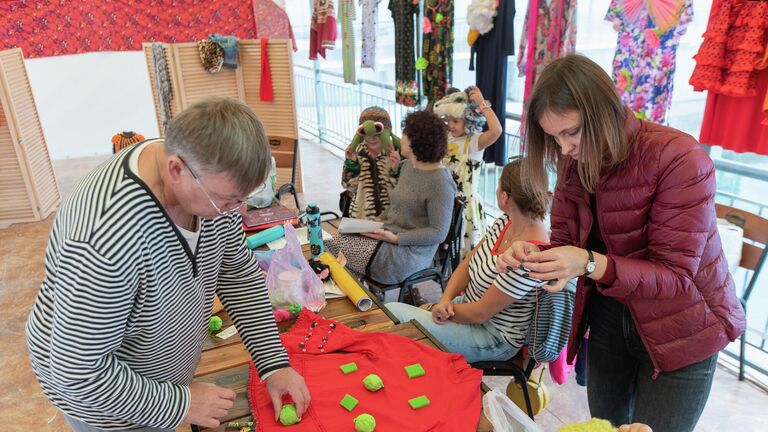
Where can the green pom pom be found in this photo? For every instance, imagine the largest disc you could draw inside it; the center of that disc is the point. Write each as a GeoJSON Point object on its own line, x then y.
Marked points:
{"type": "Point", "coordinates": [215, 324]}
{"type": "Point", "coordinates": [439, 18]}
{"type": "Point", "coordinates": [294, 309]}
{"type": "Point", "coordinates": [422, 63]}
{"type": "Point", "coordinates": [373, 382]}
{"type": "Point", "coordinates": [365, 423]}
{"type": "Point", "coordinates": [288, 415]}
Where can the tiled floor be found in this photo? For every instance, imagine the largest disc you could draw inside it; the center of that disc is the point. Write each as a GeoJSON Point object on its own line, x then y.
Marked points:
{"type": "Point", "coordinates": [733, 406]}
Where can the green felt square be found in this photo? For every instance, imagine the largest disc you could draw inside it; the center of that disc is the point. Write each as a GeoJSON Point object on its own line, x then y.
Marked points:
{"type": "Point", "coordinates": [348, 368]}
{"type": "Point", "coordinates": [418, 402]}
{"type": "Point", "coordinates": [349, 402]}
{"type": "Point", "coordinates": [414, 370]}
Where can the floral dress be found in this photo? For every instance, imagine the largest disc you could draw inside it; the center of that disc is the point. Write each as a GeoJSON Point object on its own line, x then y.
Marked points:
{"type": "Point", "coordinates": [548, 33]}
{"type": "Point", "coordinates": [644, 64]}
{"type": "Point", "coordinates": [465, 171]}
{"type": "Point", "coordinates": [437, 53]}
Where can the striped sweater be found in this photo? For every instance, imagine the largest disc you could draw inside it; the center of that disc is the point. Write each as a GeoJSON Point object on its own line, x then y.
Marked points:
{"type": "Point", "coordinates": [118, 326]}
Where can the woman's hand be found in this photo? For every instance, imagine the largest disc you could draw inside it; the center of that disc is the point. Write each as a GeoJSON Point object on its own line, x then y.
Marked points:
{"type": "Point", "coordinates": [442, 312]}
{"type": "Point", "coordinates": [559, 264]}
{"type": "Point", "coordinates": [383, 235]}
{"type": "Point", "coordinates": [513, 257]}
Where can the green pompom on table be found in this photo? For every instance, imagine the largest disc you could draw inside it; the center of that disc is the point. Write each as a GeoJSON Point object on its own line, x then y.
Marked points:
{"type": "Point", "coordinates": [373, 382]}
{"type": "Point", "coordinates": [365, 423]}
{"type": "Point", "coordinates": [215, 324]}
{"type": "Point", "coordinates": [288, 415]}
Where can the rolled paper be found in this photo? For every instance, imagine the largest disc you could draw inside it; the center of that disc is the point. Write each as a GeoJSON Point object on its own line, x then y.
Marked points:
{"type": "Point", "coordinates": [264, 237]}
{"type": "Point", "coordinates": [347, 283]}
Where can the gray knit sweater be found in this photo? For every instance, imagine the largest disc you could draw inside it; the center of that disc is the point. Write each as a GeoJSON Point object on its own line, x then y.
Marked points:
{"type": "Point", "coordinates": [420, 215]}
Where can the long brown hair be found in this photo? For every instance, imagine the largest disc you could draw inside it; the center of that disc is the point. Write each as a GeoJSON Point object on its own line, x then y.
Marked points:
{"type": "Point", "coordinates": [532, 205]}
{"type": "Point", "coordinates": [575, 83]}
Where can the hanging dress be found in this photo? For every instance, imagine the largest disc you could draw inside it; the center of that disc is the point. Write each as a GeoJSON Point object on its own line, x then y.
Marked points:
{"type": "Point", "coordinates": [465, 171]}
{"type": "Point", "coordinates": [437, 49]}
{"type": "Point", "coordinates": [649, 33]}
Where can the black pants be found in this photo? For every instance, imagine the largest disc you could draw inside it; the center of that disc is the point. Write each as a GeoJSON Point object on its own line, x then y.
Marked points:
{"type": "Point", "coordinates": [620, 386]}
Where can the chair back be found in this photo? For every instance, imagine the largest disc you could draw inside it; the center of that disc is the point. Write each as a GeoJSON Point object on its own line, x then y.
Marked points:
{"type": "Point", "coordinates": [449, 251]}
{"type": "Point", "coordinates": [753, 253]}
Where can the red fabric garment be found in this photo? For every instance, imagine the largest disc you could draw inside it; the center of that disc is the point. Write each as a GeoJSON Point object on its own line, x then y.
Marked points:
{"type": "Point", "coordinates": [733, 45]}
{"type": "Point", "coordinates": [656, 212]}
{"type": "Point", "coordinates": [452, 386]}
{"type": "Point", "coordinates": [736, 123]}
{"type": "Point", "coordinates": [57, 27]}
{"type": "Point", "coordinates": [322, 32]}
{"type": "Point", "coordinates": [265, 81]}
{"type": "Point", "coordinates": [272, 22]}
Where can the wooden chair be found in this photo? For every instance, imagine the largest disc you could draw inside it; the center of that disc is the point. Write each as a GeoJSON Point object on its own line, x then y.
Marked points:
{"type": "Point", "coordinates": [753, 258]}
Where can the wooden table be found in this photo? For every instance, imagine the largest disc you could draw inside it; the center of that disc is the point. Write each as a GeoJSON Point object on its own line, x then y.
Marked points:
{"type": "Point", "coordinates": [225, 362]}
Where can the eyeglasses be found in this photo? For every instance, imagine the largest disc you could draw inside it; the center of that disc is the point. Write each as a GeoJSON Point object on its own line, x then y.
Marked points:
{"type": "Point", "coordinates": [238, 202]}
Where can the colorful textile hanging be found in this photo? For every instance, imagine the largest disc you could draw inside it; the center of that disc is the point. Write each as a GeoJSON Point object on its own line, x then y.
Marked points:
{"type": "Point", "coordinates": [347, 15]}
{"type": "Point", "coordinates": [404, 15]}
{"type": "Point", "coordinates": [322, 29]}
{"type": "Point", "coordinates": [649, 33]}
{"type": "Point", "coordinates": [549, 32]}
{"type": "Point", "coordinates": [46, 28]}
{"type": "Point", "coordinates": [272, 21]}
{"type": "Point", "coordinates": [437, 54]}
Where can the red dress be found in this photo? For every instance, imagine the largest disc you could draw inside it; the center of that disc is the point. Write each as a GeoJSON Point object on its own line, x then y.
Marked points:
{"type": "Point", "coordinates": [451, 385]}
{"type": "Point", "coordinates": [733, 45]}
{"type": "Point", "coordinates": [730, 64]}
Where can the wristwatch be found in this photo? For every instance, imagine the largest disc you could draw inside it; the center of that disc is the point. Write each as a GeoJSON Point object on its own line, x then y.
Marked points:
{"type": "Point", "coordinates": [591, 265]}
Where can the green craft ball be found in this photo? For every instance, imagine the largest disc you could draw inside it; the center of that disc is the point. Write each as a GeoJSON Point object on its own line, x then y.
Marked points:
{"type": "Point", "coordinates": [215, 324]}
{"type": "Point", "coordinates": [365, 423]}
{"type": "Point", "coordinates": [373, 382]}
{"type": "Point", "coordinates": [288, 415]}
{"type": "Point", "coordinates": [294, 309]}
{"type": "Point", "coordinates": [439, 18]}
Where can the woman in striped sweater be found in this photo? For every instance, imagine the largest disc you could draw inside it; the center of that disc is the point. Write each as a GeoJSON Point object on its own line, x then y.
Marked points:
{"type": "Point", "coordinates": [135, 256]}
{"type": "Point", "coordinates": [491, 320]}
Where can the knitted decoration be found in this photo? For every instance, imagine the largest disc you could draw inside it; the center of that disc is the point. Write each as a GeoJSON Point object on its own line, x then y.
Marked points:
{"type": "Point", "coordinates": [215, 324]}
{"type": "Point", "coordinates": [456, 104]}
{"type": "Point", "coordinates": [125, 139]}
{"type": "Point", "coordinates": [211, 54]}
{"type": "Point", "coordinates": [594, 425]}
{"type": "Point", "coordinates": [376, 114]}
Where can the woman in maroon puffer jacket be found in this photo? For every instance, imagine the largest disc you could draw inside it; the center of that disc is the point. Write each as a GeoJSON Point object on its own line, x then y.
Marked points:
{"type": "Point", "coordinates": [633, 217]}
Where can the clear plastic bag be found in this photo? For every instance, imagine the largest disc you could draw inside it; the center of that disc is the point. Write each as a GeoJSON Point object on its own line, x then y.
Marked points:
{"type": "Point", "coordinates": [290, 279]}
{"type": "Point", "coordinates": [504, 415]}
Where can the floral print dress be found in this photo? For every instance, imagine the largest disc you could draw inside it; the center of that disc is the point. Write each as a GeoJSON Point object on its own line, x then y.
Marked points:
{"type": "Point", "coordinates": [465, 171]}
{"type": "Point", "coordinates": [644, 64]}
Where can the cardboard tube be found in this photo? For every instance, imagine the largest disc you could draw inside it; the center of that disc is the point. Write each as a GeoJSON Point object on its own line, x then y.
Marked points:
{"type": "Point", "coordinates": [347, 283]}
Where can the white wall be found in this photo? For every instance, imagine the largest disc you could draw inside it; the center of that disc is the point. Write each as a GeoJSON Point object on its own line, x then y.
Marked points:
{"type": "Point", "coordinates": [84, 99]}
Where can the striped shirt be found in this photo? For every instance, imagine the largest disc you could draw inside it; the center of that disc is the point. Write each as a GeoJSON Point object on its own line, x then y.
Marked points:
{"type": "Point", "coordinates": [118, 326]}
{"type": "Point", "coordinates": [514, 320]}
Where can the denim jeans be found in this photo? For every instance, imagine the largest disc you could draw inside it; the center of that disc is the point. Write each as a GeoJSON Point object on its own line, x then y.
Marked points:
{"type": "Point", "coordinates": [476, 342]}
{"type": "Point", "coordinates": [620, 386]}
{"type": "Point", "coordinates": [80, 426]}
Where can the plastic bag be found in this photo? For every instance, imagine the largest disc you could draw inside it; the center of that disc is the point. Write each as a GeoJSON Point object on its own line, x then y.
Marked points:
{"type": "Point", "coordinates": [290, 279]}
{"type": "Point", "coordinates": [263, 196]}
{"type": "Point", "coordinates": [504, 415]}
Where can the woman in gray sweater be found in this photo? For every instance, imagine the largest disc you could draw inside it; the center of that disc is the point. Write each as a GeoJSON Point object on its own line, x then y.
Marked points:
{"type": "Point", "coordinates": [419, 216]}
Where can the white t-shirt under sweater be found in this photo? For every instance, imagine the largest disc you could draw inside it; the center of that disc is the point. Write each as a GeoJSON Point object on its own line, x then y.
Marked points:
{"type": "Point", "coordinates": [456, 145]}
{"type": "Point", "coordinates": [514, 320]}
{"type": "Point", "coordinates": [118, 326]}
{"type": "Point", "coordinates": [190, 236]}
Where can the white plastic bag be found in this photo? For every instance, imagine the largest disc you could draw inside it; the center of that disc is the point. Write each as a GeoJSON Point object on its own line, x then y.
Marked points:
{"type": "Point", "coordinates": [263, 196]}
{"type": "Point", "coordinates": [504, 415]}
{"type": "Point", "coordinates": [732, 238]}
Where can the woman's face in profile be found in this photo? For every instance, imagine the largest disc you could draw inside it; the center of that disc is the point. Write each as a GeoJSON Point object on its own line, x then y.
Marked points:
{"type": "Point", "coordinates": [565, 128]}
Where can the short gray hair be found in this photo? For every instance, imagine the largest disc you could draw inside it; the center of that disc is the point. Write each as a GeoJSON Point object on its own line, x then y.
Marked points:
{"type": "Point", "coordinates": [222, 135]}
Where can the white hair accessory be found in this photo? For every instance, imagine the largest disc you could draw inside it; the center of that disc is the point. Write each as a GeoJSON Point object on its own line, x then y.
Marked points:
{"type": "Point", "coordinates": [480, 15]}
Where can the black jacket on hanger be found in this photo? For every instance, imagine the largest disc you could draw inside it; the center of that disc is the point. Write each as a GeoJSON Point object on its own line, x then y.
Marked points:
{"type": "Point", "coordinates": [492, 50]}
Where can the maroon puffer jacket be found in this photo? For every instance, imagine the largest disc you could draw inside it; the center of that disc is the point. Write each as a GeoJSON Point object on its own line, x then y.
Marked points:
{"type": "Point", "coordinates": [657, 217]}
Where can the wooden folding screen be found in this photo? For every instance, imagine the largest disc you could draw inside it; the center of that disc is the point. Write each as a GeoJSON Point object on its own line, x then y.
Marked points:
{"type": "Point", "coordinates": [189, 82]}
{"type": "Point", "coordinates": [28, 188]}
